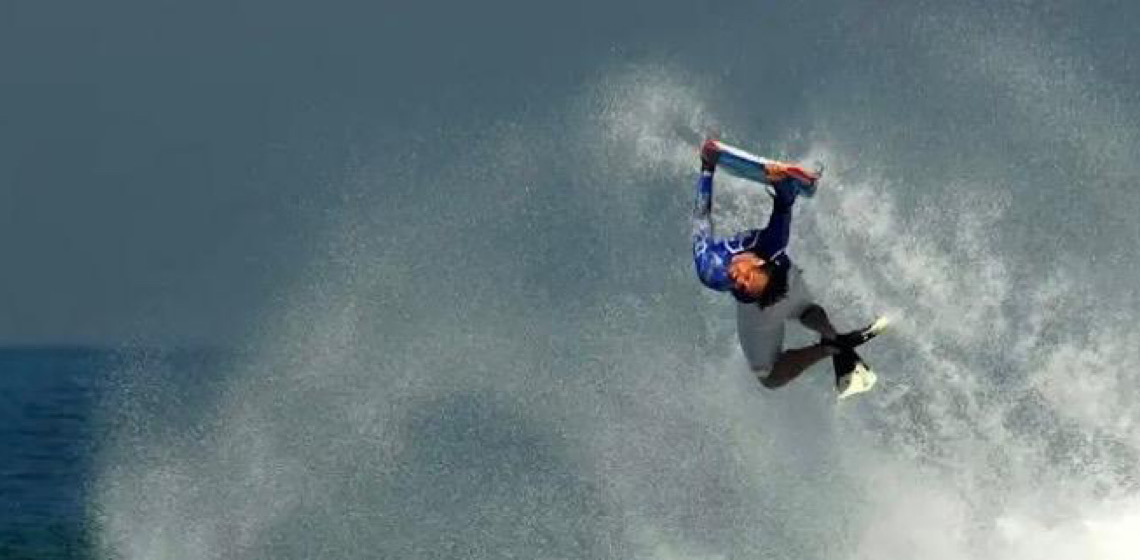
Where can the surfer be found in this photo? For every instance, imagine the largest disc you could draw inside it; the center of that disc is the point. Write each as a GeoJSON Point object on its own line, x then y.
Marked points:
{"type": "Point", "coordinates": [754, 267]}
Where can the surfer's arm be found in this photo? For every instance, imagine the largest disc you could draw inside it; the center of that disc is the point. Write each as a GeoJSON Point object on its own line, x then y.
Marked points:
{"type": "Point", "coordinates": [773, 239]}
{"type": "Point", "coordinates": [707, 249]}
{"type": "Point", "coordinates": [709, 265]}
{"type": "Point", "coordinates": [785, 196]}
{"type": "Point", "coordinates": [702, 206]}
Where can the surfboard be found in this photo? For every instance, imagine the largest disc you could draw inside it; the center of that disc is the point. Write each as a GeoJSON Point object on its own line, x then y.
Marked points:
{"type": "Point", "coordinates": [746, 165]}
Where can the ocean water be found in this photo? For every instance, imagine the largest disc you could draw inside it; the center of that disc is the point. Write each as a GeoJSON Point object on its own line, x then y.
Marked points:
{"type": "Point", "coordinates": [50, 431]}
{"type": "Point", "coordinates": [46, 434]}
{"type": "Point", "coordinates": [498, 349]}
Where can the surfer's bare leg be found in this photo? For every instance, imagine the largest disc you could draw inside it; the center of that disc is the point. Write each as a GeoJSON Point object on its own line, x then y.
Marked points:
{"type": "Point", "coordinates": [816, 319]}
{"type": "Point", "coordinates": [792, 363]}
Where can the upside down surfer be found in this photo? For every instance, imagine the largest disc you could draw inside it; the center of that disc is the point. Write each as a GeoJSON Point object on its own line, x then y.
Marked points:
{"type": "Point", "coordinates": [754, 267]}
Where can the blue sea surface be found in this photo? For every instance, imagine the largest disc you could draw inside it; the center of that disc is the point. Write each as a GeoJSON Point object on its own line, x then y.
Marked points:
{"type": "Point", "coordinates": [46, 405]}
{"type": "Point", "coordinates": [54, 403]}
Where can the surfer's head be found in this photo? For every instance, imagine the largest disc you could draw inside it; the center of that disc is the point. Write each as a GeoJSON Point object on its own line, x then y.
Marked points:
{"type": "Point", "coordinates": [749, 275]}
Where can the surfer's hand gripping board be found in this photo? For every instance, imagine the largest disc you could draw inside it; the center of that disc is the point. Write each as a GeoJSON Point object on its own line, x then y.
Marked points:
{"type": "Point", "coordinates": [752, 167]}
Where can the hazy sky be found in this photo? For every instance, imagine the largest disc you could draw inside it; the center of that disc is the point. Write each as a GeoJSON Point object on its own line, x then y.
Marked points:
{"type": "Point", "coordinates": [164, 165]}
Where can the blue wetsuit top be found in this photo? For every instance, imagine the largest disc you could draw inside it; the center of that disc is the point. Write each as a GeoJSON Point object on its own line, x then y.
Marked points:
{"type": "Point", "coordinates": [713, 254]}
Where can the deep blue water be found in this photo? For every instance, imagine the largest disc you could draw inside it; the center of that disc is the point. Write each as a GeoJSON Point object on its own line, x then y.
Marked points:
{"type": "Point", "coordinates": [54, 403]}
{"type": "Point", "coordinates": [47, 402]}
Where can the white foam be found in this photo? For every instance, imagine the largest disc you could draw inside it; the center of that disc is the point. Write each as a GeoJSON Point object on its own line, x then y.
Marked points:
{"type": "Point", "coordinates": [510, 412]}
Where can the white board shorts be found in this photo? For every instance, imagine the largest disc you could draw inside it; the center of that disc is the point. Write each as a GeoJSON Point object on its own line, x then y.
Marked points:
{"type": "Point", "coordinates": [761, 330]}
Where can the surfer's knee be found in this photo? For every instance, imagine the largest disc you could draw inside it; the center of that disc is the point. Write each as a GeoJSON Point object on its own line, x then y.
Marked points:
{"type": "Point", "coordinates": [764, 376]}
{"type": "Point", "coordinates": [812, 310]}
{"type": "Point", "coordinates": [814, 315]}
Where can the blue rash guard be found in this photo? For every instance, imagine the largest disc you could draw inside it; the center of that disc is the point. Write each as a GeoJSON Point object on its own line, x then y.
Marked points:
{"type": "Point", "coordinates": [712, 254]}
